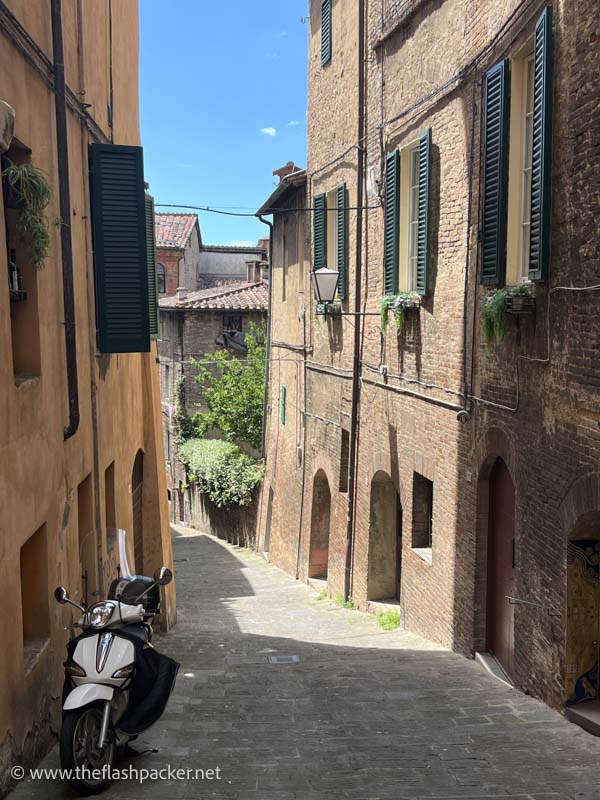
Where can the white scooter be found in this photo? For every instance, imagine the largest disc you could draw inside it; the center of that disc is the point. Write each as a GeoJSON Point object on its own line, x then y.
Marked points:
{"type": "Point", "coordinates": [116, 683]}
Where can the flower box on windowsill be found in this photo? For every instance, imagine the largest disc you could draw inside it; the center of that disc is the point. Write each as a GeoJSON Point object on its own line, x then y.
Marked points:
{"type": "Point", "coordinates": [519, 304]}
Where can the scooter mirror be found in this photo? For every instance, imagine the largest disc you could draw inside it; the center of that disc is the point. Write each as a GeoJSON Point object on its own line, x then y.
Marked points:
{"type": "Point", "coordinates": [163, 576]}
{"type": "Point", "coordinates": [61, 595]}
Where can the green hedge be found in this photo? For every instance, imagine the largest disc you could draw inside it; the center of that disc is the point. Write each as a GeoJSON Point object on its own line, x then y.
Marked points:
{"type": "Point", "coordinates": [221, 471]}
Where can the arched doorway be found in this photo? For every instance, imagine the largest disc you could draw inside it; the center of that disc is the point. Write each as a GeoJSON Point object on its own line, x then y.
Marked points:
{"type": "Point", "coordinates": [500, 633]}
{"type": "Point", "coordinates": [137, 496]}
{"type": "Point", "coordinates": [385, 540]}
{"type": "Point", "coordinates": [583, 611]}
{"type": "Point", "coordinates": [319, 527]}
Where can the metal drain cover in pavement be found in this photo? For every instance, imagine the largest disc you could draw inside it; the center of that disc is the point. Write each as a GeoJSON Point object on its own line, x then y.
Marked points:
{"type": "Point", "coordinates": [284, 659]}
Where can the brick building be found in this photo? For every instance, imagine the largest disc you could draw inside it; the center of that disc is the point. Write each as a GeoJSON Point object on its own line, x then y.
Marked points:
{"type": "Point", "coordinates": [456, 173]}
{"type": "Point", "coordinates": [183, 261]}
{"type": "Point", "coordinates": [196, 323]}
{"type": "Point", "coordinates": [178, 243]}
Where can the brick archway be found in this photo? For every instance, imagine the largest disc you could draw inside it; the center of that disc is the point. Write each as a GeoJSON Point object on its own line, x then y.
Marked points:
{"type": "Point", "coordinates": [320, 523]}
{"type": "Point", "coordinates": [495, 444]}
{"type": "Point", "coordinates": [385, 540]}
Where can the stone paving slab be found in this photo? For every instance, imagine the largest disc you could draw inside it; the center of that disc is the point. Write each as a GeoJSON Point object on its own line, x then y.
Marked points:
{"type": "Point", "coordinates": [364, 715]}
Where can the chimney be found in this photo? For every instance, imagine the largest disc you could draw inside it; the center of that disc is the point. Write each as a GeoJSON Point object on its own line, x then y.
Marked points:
{"type": "Point", "coordinates": [181, 294]}
{"type": "Point", "coordinates": [286, 170]}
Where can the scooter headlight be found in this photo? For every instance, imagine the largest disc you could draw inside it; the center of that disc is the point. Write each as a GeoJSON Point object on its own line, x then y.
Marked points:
{"type": "Point", "coordinates": [100, 614]}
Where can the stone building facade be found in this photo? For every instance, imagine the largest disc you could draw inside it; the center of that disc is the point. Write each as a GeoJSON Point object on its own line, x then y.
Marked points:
{"type": "Point", "coordinates": [193, 325]}
{"type": "Point", "coordinates": [80, 437]}
{"type": "Point", "coordinates": [184, 262]}
{"type": "Point", "coordinates": [476, 477]}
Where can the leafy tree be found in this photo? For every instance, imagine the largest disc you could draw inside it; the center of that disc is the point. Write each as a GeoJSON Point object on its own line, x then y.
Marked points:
{"type": "Point", "coordinates": [233, 391]}
{"type": "Point", "coordinates": [221, 471]}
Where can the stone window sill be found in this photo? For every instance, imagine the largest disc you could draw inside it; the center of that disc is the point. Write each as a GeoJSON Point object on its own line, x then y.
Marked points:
{"type": "Point", "coordinates": [425, 553]}
{"type": "Point", "coordinates": [24, 379]}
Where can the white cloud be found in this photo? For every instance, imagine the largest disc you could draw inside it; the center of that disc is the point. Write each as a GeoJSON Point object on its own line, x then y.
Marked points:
{"type": "Point", "coordinates": [283, 33]}
{"type": "Point", "coordinates": [269, 131]}
{"type": "Point", "coordinates": [293, 123]}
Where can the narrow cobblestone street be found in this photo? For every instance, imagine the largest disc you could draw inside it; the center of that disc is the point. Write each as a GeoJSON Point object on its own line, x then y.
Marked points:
{"type": "Point", "coordinates": [363, 714]}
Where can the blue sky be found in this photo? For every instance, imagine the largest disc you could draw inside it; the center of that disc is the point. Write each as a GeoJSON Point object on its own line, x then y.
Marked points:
{"type": "Point", "coordinates": [223, 104]}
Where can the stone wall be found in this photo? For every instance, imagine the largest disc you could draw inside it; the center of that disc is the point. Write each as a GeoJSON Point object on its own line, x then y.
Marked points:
{"type": "Point", "coordinates": [235, 525]}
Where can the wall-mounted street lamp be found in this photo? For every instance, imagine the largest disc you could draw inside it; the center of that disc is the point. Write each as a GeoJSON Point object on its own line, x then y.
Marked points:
{"type": "Point", "coordinates": [325, 283]}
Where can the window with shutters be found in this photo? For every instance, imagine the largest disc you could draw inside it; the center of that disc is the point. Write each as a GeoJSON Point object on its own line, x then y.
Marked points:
{"type": "Point", "coordinates": [326, 37]}
{"type": "Point", "coordinates": [332, 221]}
{"type": "Point", "coordinates": [412, 216]}
{"type": "Point", "coordinates": [527, 98]}
{"type": "Point", "coordinates": [519, 169]}
{"type": "Point", "coordinates": [331, 236]}
{"type": "Point", "coordinates": [412, 223]}
{"type": "Point", "coordinates": [121, 218]}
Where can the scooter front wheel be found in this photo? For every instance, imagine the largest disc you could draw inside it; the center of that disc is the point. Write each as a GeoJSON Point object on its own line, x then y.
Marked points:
{"type": "Point", "coordinates": [89, 765]}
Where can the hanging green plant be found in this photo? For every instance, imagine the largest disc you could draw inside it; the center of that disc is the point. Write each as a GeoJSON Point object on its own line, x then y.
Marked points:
{"type": "Point", "coordinates": [398, 305]}
{"type": "Point", "coordinates": [495, 310]}
{"type": "Point", "coordinates": [30, 193]}
{"type": "Point", "coordinates": [494, 318]}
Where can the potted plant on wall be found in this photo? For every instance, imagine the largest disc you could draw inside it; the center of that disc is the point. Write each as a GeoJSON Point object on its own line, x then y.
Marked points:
{"type": "Point", "coordinates": [28, 191]}
{"type": "Point", "coordinates": [398, 304]}
{"type": "Point", "coordinates": [517, 300]}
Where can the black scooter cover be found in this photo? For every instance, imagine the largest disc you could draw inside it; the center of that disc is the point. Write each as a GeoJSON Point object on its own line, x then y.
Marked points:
{"type": "Point", "coordinates": [150, 688]}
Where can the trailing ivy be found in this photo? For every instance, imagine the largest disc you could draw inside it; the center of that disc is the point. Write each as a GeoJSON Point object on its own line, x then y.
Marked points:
{"type": "Point", "coordinates": [31, 194]}
{"type": "Point", "coordinates": [183, 426]}
{"type": "Point", "coordinates": [221, 471]}
{"type": "Point", "coordinates": [397, 304]}
{"type": "Point", "coordinates": [494, 319]}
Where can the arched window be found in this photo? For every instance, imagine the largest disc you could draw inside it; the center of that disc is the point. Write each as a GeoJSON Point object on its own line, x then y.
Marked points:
{"type": "Point", "coordinates": [161, 279]}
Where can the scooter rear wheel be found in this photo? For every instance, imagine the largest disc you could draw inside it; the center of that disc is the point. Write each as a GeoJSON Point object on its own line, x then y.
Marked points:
{"type": "Point", "coordinates": [79, 736]}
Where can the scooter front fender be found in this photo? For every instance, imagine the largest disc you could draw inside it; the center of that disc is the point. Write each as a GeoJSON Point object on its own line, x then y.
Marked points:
{"type": "Point", "coordinates": [87, 693]}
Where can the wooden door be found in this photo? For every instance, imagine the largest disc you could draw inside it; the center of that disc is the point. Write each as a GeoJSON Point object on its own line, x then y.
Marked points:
{"type": "Point", "coordinates": [501, 551]}
{"type": "Point", "coordinates": [583, 621]}
{"type": "Point", "coordinates": [137, 496]}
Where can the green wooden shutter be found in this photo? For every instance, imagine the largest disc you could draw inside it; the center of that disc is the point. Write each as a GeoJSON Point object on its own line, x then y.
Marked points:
{"type": "Point", "coordinates": [342, 238]}
{"type": "Point", "coordinates": [541, 162]}
{"type": "Point", "coordinates": [120, 253]}
{"type": "Point", "coordinates": [282, 404]}
{"type": "Point", "coordinates": [495, 173]}
{"type": "Point", "coordinates": [152, 266]}
{"type": "Point", "coordinates": [325, 32]}
{"type": "Point", "coordinates": [391, 221]}
{"type": "Point", "coordinates": [423, 218]}
{"type": "Point", "coordinates": [320, 231]}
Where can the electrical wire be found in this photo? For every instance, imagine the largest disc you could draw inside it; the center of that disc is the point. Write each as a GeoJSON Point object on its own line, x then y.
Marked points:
{"type": "Point", "coordinates": [221, 210]}
{"type": "Point", "coordinates": [546, 360]}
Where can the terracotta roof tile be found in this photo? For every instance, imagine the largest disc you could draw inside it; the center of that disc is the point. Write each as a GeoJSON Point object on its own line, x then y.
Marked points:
{"type": "Point", "coordinates": [236, 297]}
{"type": "Point", "coordinates": [173, 231]}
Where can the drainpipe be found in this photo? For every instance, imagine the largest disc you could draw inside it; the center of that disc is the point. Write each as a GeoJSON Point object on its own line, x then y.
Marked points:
{"type": "Point", "coordinates": [268, 364]}
{"type": "Point", "coordinates": [352, 465]}
{"type": "Point", "coordinates": [62, 149]}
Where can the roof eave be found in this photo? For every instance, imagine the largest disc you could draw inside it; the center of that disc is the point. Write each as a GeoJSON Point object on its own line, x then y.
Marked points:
{"type": "Point", "coordinates": [291, 182]}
